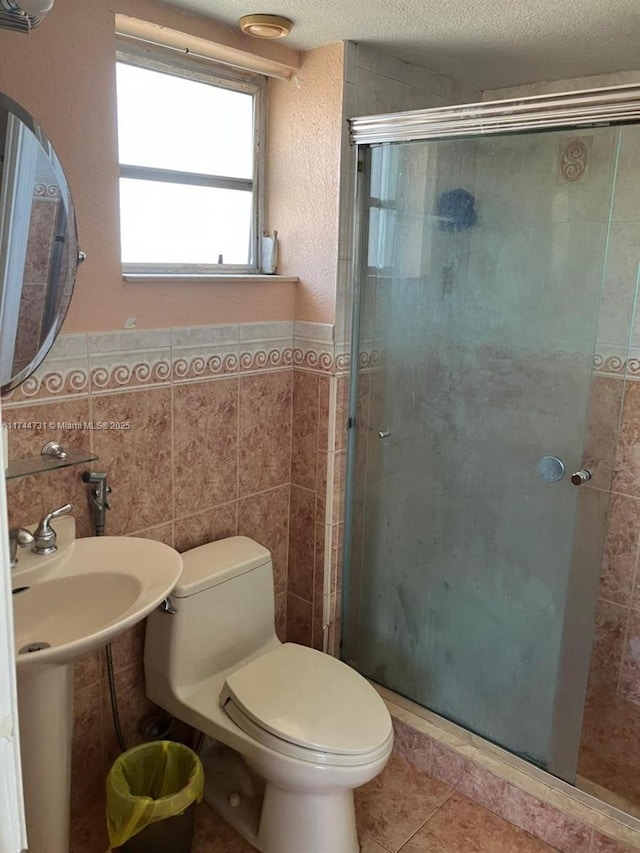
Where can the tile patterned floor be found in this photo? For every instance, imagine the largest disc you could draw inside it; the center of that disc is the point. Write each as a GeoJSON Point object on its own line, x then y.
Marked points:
{"type": "Point", "coordinates": [610, 748]}
{"type": "Point", "coordinates": [401, 810]}
{"type": "Point", "coordinates": [404, 810]}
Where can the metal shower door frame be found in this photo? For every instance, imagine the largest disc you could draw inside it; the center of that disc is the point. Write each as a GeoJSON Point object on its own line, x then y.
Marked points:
{"type": "Point", "coordinates": [602, 107]}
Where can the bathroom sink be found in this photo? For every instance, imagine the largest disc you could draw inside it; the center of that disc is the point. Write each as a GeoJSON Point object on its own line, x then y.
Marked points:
{"type": "Point", "coordinates": [89, 591]}
{"type": "Point", "coordinates": [66, 604]}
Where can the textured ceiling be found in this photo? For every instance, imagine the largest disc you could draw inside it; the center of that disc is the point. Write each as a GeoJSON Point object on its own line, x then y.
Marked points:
{"type": "Point", "coordinates": [489, 44]}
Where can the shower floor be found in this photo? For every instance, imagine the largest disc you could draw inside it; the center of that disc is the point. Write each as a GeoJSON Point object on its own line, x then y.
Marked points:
{"type": "Point", "coordinates": [610, 752]}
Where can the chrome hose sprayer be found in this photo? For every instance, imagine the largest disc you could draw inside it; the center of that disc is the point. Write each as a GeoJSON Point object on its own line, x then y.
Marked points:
{"type": "Point", "coordinates": [99, 499]}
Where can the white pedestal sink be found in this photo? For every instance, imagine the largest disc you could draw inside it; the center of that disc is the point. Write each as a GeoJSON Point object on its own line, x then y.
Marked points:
{"type": "Point", "coordinates": [72, 602]}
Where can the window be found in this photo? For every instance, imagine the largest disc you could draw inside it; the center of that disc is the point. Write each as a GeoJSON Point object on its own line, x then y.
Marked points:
{"type": "Point", "coordinates": [189, 136]}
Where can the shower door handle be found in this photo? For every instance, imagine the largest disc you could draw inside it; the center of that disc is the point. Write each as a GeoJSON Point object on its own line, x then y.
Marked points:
{"type": "Point", "coordinates": [581, 477]}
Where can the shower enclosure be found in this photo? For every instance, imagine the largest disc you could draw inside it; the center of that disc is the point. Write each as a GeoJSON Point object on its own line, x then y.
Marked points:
{"type": "Point", "coordinates": [481, 441]}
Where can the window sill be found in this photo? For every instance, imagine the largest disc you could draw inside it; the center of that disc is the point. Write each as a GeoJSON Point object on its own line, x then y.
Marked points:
{"type": "Point", "coordinates": [223, 278]}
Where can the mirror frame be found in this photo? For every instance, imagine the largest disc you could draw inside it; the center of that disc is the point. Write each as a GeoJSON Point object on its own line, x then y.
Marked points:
{"type": "Point", "coordinates": [66, 197]}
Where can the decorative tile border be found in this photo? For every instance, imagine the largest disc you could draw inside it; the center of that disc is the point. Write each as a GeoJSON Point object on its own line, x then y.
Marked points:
{"type": "Point", "coordinates": [129, 359]}
{"type": "Point", "coordinates": [110, 361]}
{"type": "Point", "coordinates": [42, 191]}
{"type": "Point", "coordinates": [314, 349]}
{"type": "Point", "coordinates": [574, 155]}
{"type": "Point", "coordinates": [105, 362]}
{"type": "Point", "coordinates": [64, 373]}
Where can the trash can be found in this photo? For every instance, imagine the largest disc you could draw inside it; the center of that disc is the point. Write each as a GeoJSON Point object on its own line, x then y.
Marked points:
{"type": "Point", "coordinates": [152, 791]}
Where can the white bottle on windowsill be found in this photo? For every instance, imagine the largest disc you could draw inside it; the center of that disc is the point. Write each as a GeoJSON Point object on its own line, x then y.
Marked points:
{"type": "Point", "coordinates": [269, 253]}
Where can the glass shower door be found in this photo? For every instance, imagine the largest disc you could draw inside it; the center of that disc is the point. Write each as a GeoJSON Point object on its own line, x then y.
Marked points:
{"type": "Point", "coordinates": [474, 559]}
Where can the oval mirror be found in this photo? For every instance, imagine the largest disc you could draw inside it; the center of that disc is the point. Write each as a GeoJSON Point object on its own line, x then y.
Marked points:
{"type": "Point", "coordinates": [38, 245]}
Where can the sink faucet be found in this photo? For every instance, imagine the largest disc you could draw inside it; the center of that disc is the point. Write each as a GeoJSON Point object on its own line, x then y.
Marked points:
{"type": "Point", "coordinates": [45, 536]}
{"type": "Point", "coordinates": [18, 537]}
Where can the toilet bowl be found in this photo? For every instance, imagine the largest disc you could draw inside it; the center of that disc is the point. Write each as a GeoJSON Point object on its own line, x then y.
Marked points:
{"type": "Point", "coordinates": [290, 731]}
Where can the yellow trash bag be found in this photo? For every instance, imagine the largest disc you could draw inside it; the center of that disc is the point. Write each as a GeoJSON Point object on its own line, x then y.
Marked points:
{"type": "Point", "coordinates": [150, 783]}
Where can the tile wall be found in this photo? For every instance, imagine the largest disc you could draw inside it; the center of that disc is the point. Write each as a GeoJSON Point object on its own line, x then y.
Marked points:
{"type": "Point", "coordinates": [204, 432]}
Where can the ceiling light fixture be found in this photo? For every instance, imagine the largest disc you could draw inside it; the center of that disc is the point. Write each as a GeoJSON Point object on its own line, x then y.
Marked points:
{"type": "Point", "coordinates": [265, 26]}
{"type": "Point", "coordinates": [23, 16]}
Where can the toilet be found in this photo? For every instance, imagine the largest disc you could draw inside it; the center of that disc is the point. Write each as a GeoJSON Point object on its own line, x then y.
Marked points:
{"type": "Point", "coordinates": [289, 731]}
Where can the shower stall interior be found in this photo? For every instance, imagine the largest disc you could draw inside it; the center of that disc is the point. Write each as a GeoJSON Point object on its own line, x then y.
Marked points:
{"type": "Point", "coordinates": [493, 348]}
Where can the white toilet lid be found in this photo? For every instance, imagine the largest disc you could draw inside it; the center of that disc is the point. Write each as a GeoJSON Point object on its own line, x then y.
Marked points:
{"type": "Point", "coordinates": [310, 699]}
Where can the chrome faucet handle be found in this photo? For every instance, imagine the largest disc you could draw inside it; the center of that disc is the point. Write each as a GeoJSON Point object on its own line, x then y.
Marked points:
{"type": "Point", "coordinates": [45, 536]}
{"type": "Point", "coordinates": [19, 537]}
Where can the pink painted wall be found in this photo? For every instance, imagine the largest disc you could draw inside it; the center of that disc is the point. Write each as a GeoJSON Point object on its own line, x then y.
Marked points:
{"type": "Point", "coordinates": [305, 131]}
{"type": "Point", "coordinates": [64, 74]}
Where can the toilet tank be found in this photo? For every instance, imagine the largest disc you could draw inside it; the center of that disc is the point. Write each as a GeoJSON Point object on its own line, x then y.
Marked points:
{"type": "Point", "coordinates": [224, 603]}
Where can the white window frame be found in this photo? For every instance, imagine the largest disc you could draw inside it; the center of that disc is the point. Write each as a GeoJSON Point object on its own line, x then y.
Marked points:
{"type": "Point", "coordinates": [169, 61]}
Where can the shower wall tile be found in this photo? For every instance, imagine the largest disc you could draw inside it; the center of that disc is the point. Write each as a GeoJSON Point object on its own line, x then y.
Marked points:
{"type": "Point", "coordinates": [428, 81]}
{"type": "Point", "coordinates": [416, 99]}
{"type": "Point", "coordinates": [625, 201]}
{"type": "Point", "coordinates": [630, 670]}
{"type": "Point", "coordinates": [603, 420]}
{"type": "Point", "coordinates": [381, 63]}
{"type": "Point", "coordinates": [610, 752]}
{"type": "Point", "coordinates": [621, 272]}
{"type": "Point", "coordinates": [626, 478]}
{"type": "Point", "coordinates": [384, 83]}
{"type": "Point", "coordinates": [620, 550]}
{"type": "Point", "coordinates": [608, 646]}
{"type": "Point", "coordinates": [572, 84]}
{"type": "Point", "coordinates": [350, 59]}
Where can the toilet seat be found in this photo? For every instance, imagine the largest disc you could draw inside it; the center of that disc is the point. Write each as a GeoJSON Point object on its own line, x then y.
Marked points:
{"type": "Point", "coordinates": [308, 705]}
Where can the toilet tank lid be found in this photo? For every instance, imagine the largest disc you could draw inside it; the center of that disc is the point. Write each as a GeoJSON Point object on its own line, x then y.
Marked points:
{"type": "Point", "coordinates": [217, 562]}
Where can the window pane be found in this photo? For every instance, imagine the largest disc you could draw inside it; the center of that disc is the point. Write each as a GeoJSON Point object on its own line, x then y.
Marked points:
{"type": "Point", "coordinates": [168, 122]}
{"type": "Point", "coordinates": [177, 224]}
